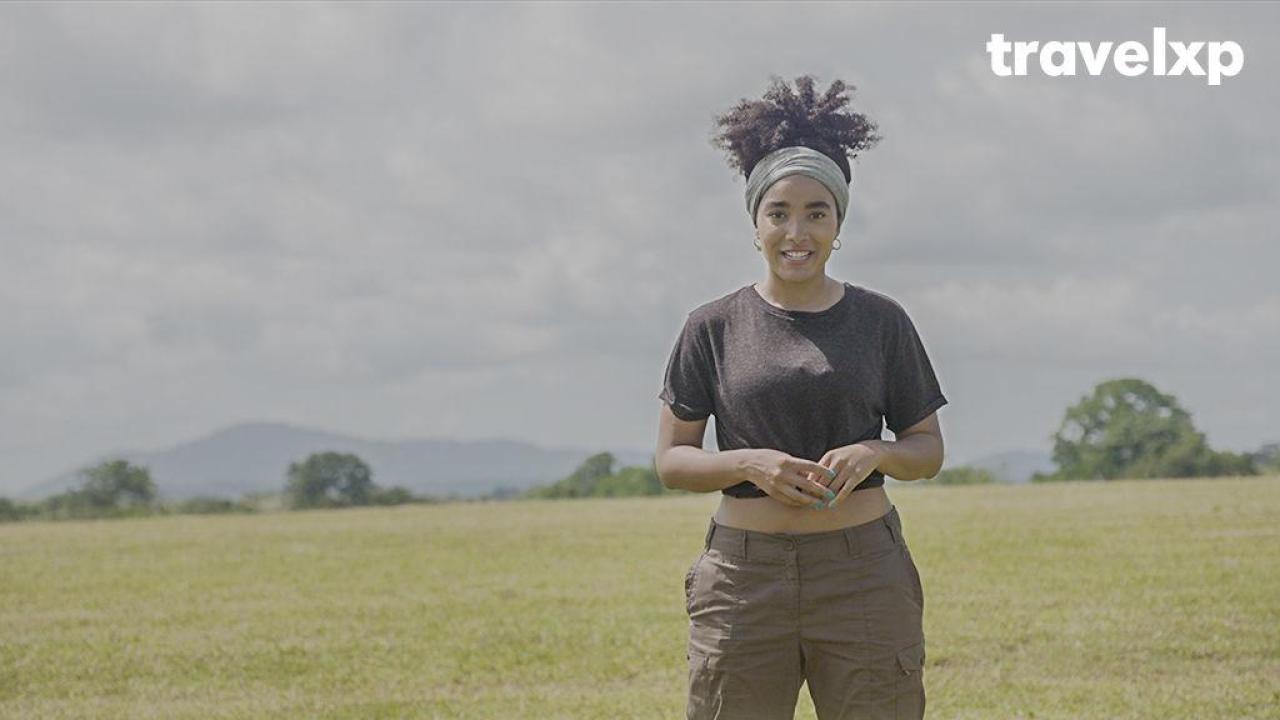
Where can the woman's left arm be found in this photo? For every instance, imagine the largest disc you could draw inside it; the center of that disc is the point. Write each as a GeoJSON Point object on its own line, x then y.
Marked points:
{"type": "Point", "coordinates": [915, 453]}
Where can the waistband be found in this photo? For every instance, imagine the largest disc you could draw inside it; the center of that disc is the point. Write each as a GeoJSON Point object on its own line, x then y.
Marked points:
{"type": "Point", "coordinates": [881, 533]}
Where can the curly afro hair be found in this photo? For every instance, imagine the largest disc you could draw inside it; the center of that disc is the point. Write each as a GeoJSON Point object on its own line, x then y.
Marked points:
{"type": "Point", "coordinates": [755, 128]}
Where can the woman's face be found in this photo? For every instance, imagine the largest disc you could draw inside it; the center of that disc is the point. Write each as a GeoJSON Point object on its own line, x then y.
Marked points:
{"type": "Point", "coordinates": [796, 213]}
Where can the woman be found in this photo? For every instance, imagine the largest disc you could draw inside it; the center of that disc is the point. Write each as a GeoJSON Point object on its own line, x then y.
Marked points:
{"type": "Point", "coordinates": [805, 574]}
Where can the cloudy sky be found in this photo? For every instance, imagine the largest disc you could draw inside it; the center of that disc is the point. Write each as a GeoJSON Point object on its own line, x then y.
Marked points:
{"type": "Point", "coordinates": [445, 221]}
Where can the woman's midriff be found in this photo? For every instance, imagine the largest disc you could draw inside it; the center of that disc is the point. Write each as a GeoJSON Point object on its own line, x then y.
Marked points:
{"type": "Point", "coordinates": [764, 514]}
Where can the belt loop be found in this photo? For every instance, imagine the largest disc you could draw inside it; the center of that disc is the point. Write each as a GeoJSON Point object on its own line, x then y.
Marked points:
{"type": "Point", "coordinates": [850, 543]}
{"type": "Point", "coordinates": [711, 531]}
{"type": "Point", "coordinates": [743, 549]}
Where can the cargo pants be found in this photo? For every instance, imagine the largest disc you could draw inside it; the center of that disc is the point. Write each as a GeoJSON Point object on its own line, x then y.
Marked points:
{"type": "Point", "coordinates": [841, 610]}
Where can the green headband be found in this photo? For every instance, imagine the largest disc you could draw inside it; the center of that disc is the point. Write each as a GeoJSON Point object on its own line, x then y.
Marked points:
{"type": "Point", "coordinates": [793, 160]}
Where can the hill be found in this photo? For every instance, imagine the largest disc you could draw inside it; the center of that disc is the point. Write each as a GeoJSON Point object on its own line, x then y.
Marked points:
{"type": "Point", "coordinates": [254, 457]}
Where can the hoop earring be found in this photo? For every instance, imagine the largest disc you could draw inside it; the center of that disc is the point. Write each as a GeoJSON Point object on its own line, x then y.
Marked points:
{"type": "Point", "coordinates": [757, 244]}
{"type": "Point", "coordinates": [836, 244]}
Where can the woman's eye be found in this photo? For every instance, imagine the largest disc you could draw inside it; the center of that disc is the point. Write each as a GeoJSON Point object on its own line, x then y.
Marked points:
{"type": "Point", "coordinates": [819, 215]}
{"type": "Point", "coordinates": [776, 213]}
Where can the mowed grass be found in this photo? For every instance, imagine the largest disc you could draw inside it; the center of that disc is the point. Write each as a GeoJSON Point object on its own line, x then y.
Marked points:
{"type": "Point", "coordinates": [1133, 599]}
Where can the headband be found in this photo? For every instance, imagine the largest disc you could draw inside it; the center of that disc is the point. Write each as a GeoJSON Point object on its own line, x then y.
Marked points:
{"type": "Point", "coordinates": [793, 160]}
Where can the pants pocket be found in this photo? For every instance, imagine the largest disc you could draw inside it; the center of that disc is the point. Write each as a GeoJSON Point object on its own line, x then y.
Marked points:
{"type": "Point", "coordinates": [909, 699]}
{"type": "Point", "coordinates": [914, 574]}
{"type": "Point", "coordinates": [713, 599]}
{"type": "Point", "coordinates": [689, 578]}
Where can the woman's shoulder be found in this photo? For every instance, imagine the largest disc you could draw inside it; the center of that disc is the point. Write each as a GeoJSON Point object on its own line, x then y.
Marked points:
{"type": "Point", "coordinates": [718, 310]}
{"type": "Point", "coordinates": [877, 302]}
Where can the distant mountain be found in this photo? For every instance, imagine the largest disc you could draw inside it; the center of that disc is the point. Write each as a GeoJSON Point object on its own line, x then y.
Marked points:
{"type": "Point", "coordinates": [255, 457]}
{"type": "Point", "coordinates": [1015, 466]}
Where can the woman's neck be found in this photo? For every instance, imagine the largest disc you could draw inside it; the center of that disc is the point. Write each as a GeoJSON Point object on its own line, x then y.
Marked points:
{"type": "Point", "coordinates": [811, 295]}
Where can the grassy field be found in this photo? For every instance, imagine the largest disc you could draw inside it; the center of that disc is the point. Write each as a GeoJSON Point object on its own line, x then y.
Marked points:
{"type": "Point", "coordinates": [1134, 599]}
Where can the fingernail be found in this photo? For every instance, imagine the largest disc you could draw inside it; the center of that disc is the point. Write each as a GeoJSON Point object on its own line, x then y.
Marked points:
{"type": "Point", "coordinates": [830, 494]}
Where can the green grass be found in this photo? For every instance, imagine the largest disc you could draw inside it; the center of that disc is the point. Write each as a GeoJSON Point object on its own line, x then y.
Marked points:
{"type": "Point", "coordinates": [1134, 599]}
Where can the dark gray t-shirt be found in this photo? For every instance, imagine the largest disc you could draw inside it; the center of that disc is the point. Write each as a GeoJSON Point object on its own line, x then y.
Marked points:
{"type": "Point", "coordinates": [799, 381]}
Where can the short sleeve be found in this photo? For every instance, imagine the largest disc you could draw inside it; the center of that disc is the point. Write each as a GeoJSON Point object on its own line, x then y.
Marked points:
{"type": "Point", "coordinates": [688, 379]}
{"type": "Point", "coordinates": [911, 388]}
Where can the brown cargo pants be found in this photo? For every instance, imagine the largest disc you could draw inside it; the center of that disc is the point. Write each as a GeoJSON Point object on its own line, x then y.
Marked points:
{"type": "Point", "coordinates": [841, 610]}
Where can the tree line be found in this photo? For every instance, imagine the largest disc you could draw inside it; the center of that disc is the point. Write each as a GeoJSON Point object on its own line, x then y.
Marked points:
{"type": "Point", "coordinates": [1125, 428]}
{"type": "Point", "coordinates": [1128, 429]}
{"type": "Point", "coordinates": [117, 488]}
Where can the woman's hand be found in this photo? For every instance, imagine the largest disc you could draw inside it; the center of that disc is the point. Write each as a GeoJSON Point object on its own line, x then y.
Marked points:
{"type": "Point", "coordinates": [787, 479]}
{"type": "Point", "coordinates": [852, 464]}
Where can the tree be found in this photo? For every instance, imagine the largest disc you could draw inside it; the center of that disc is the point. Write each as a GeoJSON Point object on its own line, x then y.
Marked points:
{"type": "Point", "coordinates": [112, 487]}
{"type": "Point", "coordinates": [395, 495]}
{"type": "Point", "coordinates": [595, 478]}
{"type": "Point", "coordinates": [1129, 429]}
{"type": "Point", "coordinates": [582, 482]}
{"type": "Point", "coordinates": [329, 479]}
{"type": "Point", "coordinates": [964, 475]}
{"type": "Point", "coordinates": [1267, 458]}
{"type": "Point", "coordinates": [116, 483]}
{"type": "Point", "coordinates": [205, 505]}
{"type": "Point", "coordinates": [11, 511]}
{"type": "Point", "coordinates": [630, 481]}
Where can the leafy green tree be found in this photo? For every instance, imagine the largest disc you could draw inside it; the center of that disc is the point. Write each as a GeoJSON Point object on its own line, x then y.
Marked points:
{"type": "Point", "coordinates": [595, 478]}
{"type": "Point", "coordinates": [1267, 458]}
{"type": "Point", "coordinates": [629, 481]}
{"type": "Point", "coordinates": [116, 483]}
{"type": "Point", "coordinates": [210, 505]}
{"type": "Point", "coordinates": [582, 481]}
{"type": "Point", "coordinates": [395, 495]}
{"type": "Point", "coordinates": [964, 475]}
{"type": "Point", "coordinates": [1129, 429]}
{"type": "Point", "coordinates": [111, 488]}
{"type": "Point", "coordinates": [329, 479]}
{"type": "Point", "coordinates": [11, 511]}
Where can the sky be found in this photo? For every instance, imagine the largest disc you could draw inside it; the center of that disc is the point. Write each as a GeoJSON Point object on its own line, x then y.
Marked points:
{"type": "Point", "coordinates": [400, 221]}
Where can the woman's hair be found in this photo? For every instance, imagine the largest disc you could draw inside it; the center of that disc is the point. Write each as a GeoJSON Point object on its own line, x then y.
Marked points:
{"type": "Point", "coordinates": [755, 128]}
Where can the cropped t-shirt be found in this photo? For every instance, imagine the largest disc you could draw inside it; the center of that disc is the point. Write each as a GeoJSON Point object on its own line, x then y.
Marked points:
{"type": "Point", "coordinates": [799, 381]}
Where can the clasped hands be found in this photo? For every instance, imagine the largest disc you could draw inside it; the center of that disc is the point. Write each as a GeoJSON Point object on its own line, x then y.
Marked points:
{"type": "Point", "coordinates": [824, 484]}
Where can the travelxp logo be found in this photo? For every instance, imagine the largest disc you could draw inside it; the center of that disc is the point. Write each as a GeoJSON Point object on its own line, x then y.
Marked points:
{"type": "Point", "coordinates": [1130, 57]}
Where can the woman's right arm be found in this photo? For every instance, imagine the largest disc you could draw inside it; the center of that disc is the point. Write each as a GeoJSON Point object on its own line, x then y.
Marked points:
{"type": "Point", "coordinates": [683, 464]}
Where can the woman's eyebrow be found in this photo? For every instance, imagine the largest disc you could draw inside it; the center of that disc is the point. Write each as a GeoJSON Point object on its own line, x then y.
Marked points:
{"type": "Point", "coordinates": [814, 204]}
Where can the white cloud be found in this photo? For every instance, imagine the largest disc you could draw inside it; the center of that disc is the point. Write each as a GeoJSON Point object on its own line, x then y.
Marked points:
{"type": "Point", "coordinates": [443, 218]}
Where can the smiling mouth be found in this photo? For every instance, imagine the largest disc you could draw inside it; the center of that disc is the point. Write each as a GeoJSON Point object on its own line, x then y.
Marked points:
{"type": "Point", "coordinates": [796, 258]}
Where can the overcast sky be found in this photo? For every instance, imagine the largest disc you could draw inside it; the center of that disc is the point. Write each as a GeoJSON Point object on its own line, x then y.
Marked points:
{"type": "Point", "coordinates": [475, 221]}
